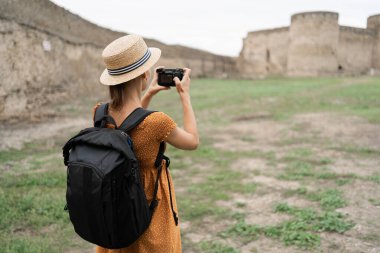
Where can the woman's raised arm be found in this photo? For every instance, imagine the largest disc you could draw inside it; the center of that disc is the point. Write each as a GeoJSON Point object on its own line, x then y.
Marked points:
{"type": "Point", "coordinates": [186, 138]}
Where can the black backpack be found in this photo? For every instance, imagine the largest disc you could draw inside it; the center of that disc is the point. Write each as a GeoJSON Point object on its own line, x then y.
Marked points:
{"type": "Point", "coordinates": [105, 198]}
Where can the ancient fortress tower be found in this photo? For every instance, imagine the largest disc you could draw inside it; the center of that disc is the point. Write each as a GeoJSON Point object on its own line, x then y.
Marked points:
{"type": "Point", "coordinates": [313, 45]}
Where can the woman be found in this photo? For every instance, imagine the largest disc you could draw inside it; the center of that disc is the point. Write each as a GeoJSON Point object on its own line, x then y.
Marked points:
{"type": "Point", "coordinates": [128, 61]}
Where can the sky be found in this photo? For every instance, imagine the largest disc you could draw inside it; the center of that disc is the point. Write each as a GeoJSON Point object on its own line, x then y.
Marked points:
{"type": "Point", "coordinates": [215, 26]}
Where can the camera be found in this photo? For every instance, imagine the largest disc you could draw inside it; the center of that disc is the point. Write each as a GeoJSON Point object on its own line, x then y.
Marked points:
{"type": "Point", "coordinates": [165, 76]}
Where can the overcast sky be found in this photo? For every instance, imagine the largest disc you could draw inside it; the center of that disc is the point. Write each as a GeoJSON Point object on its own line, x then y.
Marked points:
{"type": "Point", "coordinates": [217, 26]}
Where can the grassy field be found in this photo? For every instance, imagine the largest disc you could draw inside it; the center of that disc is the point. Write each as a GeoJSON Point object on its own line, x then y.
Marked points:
{"type": "Point", "coordinates": [284, 165]}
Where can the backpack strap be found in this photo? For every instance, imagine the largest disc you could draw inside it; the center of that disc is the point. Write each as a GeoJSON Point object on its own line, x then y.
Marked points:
{"type": "Point", "coordinates": [133, 119]}
{"type": "Point", "coordinates": [175, 216]}
{"type": "Point", "coordinates": [101, 117]}
{"type": "Point", "coordinates": [154, 202]}
{"type": "Point", "coordinates": [158, 164]}
{"type": "Point", "coordinates": [138, 115]}
{"type": "Point", "coordinates": [100, 112]}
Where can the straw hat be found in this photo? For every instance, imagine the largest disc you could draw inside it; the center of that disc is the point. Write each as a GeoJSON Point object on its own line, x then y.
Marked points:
{"type": "Point", "coordinates": [127, 58]}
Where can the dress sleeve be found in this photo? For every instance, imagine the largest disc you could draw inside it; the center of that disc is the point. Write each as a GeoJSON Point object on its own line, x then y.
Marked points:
{"type": "Point", "coordinates": [163, 126]}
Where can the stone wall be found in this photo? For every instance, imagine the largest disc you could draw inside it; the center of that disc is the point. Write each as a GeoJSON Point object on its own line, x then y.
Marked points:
{"type": "Point", "coordinates": [313, 45]}
{"type": "Point", "coordinates": [373, 24]}
{"type": "Point", "coordinates": [37, 69]}
{"type": "Point", "coordinates": [354, 51]}
{"type": "Point", "coordinates": [264, 53]}
{"type": "Point", "coordinates": [49, 55]}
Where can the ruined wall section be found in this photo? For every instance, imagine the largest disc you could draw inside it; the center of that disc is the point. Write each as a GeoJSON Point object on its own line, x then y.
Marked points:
{"type": "Point", "coordinates": [373, 24]}
{"type": "Point", "coordinates": [313, 44]}
{"type": "Point", "coordinates": [50, 56]}
{"type": "Point", "coordinates": [354, 51]}
{"type": "Point", "coordinates": [37, 69]}
{"type": "Point", "coordinates": [264, 53]}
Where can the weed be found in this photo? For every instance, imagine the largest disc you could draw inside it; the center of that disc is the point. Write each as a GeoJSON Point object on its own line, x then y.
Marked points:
{"type": "Point", "coordinates": [370, 237]}
{"type": "Point", "coordinates": [194, 210]}
{"type": "Point", "coordinates": [221, 185]}
{"type": "Point", "coordinates": [298, 170]}
{"type": "Point", "coordinates": [343, 181]}
{"type": "Point", "coordinates": [357, 150]}
{"type": "Point", "coordinates": [301, 239]}
{"type": "Point", "coordinates": [272, 231]}
{"type": "Point", "coordinates": [301, 170]}
{"type": "Point", "coordinates": [23, 244]}
{"type": "Point", "coordinates": [309, 219]}
{"type": "Point", "coordinates": [241, 204]}
{"type": "Point", "coordinates": [216, 247]}
{"type": "Point", "coordinates": [374, 202]}
{"type": "Point", "coordinates": [332, 221]}
{"type": "Point", "coordinates": [297, 154]}
{"type": "Point", "coordinates": [52, 179]}
{"type": "Point", "coordinates": [325, 160]}
{"type": "Point", "coordinates": [294, 232]}
{"type": "Point", "coordinates": [242, 229]}
{"type": "Point", "coordinates": [375, 178]}
{"type": "Point", "coordinates": [331, 199]}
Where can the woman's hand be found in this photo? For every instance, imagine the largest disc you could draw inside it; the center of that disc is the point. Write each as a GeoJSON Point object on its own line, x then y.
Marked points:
{"type": "Point", "coordinates": [154, 88]}
{"type": "Point", "coordinates": [183, 86]}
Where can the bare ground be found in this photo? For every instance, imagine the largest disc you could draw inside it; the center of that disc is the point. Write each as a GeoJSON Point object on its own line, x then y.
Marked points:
{"type": "Point", "coordinates": [327, 135]}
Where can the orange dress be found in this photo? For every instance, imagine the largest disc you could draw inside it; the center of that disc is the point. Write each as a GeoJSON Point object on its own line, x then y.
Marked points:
{"type": "Point", "coordinates": [162, 235]}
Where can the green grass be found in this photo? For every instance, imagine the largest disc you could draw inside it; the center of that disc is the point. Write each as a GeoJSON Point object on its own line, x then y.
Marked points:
{"type": "Point", "coordinates": [303, 171]}
{"type": "Point", "coordinates": [375, 202]}
{"type": "Point", "coordinates": [31, 148]}
{"type": "Point", "coordinates": [375, 178]}
{"type": "Point", "coordinates": [357, 150]}
{"type": "Point", "coordinates": [308, 219]}
{"type": "Point", "coordinates": [288, 96]}
{"type": "Point", "coordinates": [329, 199]}
{"type": "Point", "coordinates": [243, 230]}
{"type": "Point", "coordinates": [220, 185]}
{"type": "Point", "coordinates": [194, 210]}
{"type": "Point", "coordinates": [301, 230]}
{"type": "Point", "coordinates": [306, 156]}
{"type": "Point", "coordinates": [215, 247]}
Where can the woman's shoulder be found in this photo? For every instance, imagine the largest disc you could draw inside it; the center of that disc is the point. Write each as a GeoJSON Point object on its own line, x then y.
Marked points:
{"type": "Point", "coordinates": [158, 116]}
{"type": "Point", "coordinates": [160, 124]}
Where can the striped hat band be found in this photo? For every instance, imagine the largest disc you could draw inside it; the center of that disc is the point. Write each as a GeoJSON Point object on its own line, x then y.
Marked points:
{"type": "Point", "coordinates": [129, 68]}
